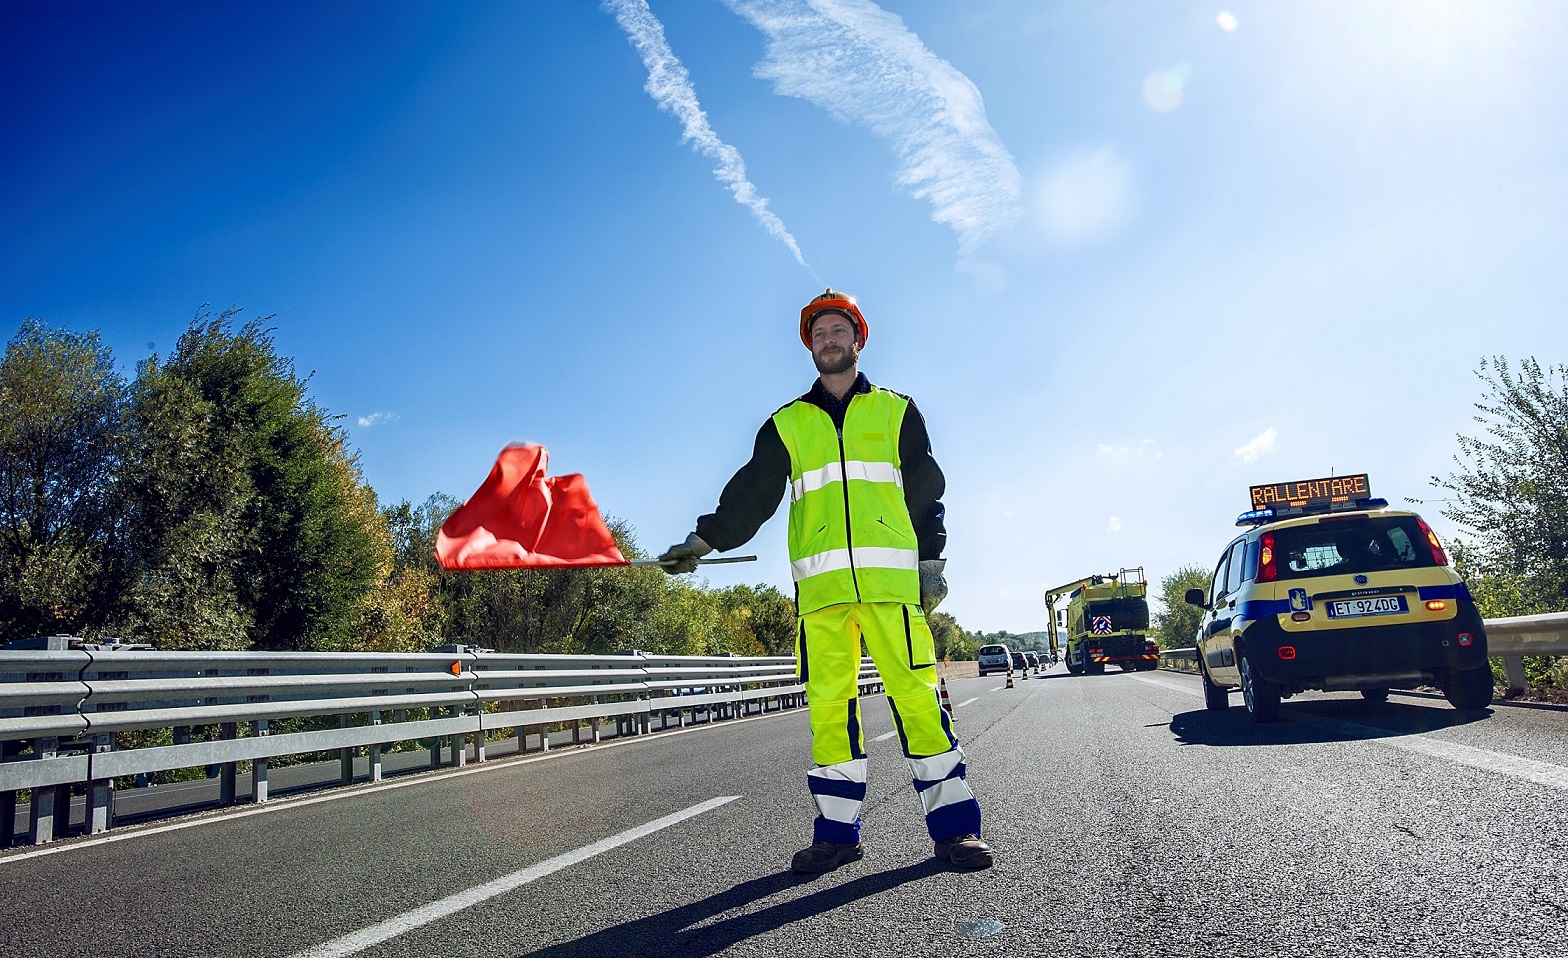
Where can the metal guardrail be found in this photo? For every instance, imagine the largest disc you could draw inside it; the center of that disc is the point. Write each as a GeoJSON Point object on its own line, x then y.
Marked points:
{"type": "Point", "coordinates": [61, 708]}
{"type": "Point", "coordinates": [1509, 639]}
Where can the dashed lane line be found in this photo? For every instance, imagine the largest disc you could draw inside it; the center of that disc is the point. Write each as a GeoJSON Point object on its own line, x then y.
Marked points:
{"type": "Point", "coordinates": [358, 941]}
{"type": "Point", "coordinates": [1513, 766]}
{"type": "Point", "coordinates": [999, 688]}
{"type": "Point", "coordinates": [885, 736]}
{"type": "Point", "coordinates": [965, 702]}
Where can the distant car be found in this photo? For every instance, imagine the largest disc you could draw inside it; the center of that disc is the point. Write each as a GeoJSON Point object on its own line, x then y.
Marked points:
{"type": "Point", "coordinates": [1033, 658]}
{"type": "Point", "coordinates": [1020, 662]}
{"type": "Point", "coordinates": [992, 658]}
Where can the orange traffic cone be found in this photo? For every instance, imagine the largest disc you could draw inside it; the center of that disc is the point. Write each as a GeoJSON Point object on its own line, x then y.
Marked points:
{"type": "Point", "coordinates": [941, 688]}
{"type": "Point", "coordinates": [1009, 678]}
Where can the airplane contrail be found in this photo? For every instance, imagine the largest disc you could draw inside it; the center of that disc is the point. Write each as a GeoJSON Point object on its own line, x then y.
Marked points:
{"type": "Point", "coordinates": [670, 86]}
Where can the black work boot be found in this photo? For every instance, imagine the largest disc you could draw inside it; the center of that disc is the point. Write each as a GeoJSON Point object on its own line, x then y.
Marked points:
{"type": "Point", "coordinates": [824, 857]}
{"type": "Point", "coordinates": [965, 851]}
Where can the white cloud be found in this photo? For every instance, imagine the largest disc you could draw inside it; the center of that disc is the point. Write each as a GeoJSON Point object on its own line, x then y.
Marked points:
{"type": "Point", "coordinates": [1256, 446]}
{"type": "Point", "coordinates": [1115, 525]}
{"type": "Point", "coordinates": [670, 86]}
{"type": "Point", "coordinates": [376, 419]}
{"type": "Point", "coordinates": [1086, 197]}
{"type": "Point", "coordinates": [864, 66]}
{"type": "Point", "coordinates": [1144, 448]}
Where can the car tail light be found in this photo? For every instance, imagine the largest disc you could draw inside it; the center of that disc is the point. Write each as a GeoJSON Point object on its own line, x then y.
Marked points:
{"type": "Point", "coordinates": [1438, 555]}
{"type": "Point", "coordinates": [1466, 639]}
{"type": "Point", "coordinates": [1267, 570]}
{"type": "Point", "coordinates": [1436, 605]}
{"type": "Point", "coordinates": [1287, 652]}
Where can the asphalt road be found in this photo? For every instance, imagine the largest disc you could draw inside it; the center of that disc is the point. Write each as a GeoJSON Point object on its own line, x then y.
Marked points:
{"type": "Point", "coordinates": [1126, 819]}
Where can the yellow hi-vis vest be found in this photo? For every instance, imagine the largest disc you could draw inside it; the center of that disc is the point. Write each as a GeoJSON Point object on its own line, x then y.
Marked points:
{"type": "Point", "coordinates": [850, 536]}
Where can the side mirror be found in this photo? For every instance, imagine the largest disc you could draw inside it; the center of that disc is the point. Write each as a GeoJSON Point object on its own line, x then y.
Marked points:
{"type": "Point", "coordinates": [1195, 597]}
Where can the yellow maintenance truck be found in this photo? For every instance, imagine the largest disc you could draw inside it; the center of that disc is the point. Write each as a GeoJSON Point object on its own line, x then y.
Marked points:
{"type": "Point", "coordinates": [1106, 619]}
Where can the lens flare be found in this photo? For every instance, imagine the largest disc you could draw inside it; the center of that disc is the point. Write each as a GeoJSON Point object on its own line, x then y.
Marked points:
{"type": "Point", "coordinates": [1163, 90]}
{"type": "Point", "coordinates": [1227, 21]}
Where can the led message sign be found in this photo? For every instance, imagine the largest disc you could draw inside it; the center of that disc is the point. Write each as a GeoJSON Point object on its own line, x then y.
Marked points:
{"type": "Point", "coordinates": [1311, 493]}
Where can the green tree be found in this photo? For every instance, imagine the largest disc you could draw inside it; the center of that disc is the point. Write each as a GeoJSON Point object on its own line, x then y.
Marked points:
{"type": "Point", "coordinates": [249, 523]}
{"type": "Point", "coordinates": [61, 437]}
{"type": "Point", "coordinates": [1176, 625]}
{"type": "Point", "coordinates": [952, 642]}
{"type": "Point", "coordinates": [1509, 494]}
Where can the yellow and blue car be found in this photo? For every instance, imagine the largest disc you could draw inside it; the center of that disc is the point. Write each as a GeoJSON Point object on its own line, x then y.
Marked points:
{"type": "Point", "coordinates": [1333, 590]}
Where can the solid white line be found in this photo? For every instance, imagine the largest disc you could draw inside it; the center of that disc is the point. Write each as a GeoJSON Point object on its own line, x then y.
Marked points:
{"type": "Point", "coordinates": [436, 910]}
{"type": "Point", "coordinates": [1530, 770]}
{"type": "Point", "coordinates": [363, 788]}
{"type": "Point", "coordinates": [885, 736]}
{"type": "Point", "coordinates": [964, 703]}
{"type": "Point", "coordinates": [1513, 766]}
{"type": "Point", "coordinates": [1170, 685]}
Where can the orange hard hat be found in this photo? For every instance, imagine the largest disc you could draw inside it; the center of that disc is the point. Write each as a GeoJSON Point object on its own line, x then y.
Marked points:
{"type": "Point", "coordinates": [832, 301]}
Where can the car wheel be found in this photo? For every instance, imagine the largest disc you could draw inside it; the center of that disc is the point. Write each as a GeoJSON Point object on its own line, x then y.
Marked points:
{"type": "Point", "coordinates": [1076, 668]}
{"type": "Point", "coordinates": [1262, 696]}
{"type": "Point", "coordinates": [1375, 695]}
{"type": "Point", "coordinates": [1470, 689]}
{"type": "Point", "coordinates": [1215, 698]}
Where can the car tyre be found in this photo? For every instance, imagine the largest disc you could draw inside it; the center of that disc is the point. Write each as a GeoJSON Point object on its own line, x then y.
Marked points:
{"type": "Point", "coordinates": [1469, 689]}
{"type": "Point", "coordinates": [1261, 695]}
{"type": "Point", "coordinates": [1375, 695]}
{"type": "Point", "coordinates": [1076, 668]}
{"type": "Point", "coordinates": [1216, 698]}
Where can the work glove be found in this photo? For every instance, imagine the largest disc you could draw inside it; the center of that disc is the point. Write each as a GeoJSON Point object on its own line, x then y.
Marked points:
{"type": "Point", "coordinates": [683, 558]}
{"type": "Point", "coordinates": [933, 584]}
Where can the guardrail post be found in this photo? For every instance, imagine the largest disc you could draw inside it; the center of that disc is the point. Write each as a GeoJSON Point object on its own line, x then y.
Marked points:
{"type": "Point", "coordinates": [41, 811]}
{"type": "Point", "coordinates": [345, 758]}
{"type": "Point", "coordinates": [459, 740]}
{"type": "Point", "coordinates": [258, 767]}
{"type": "Point", "coordinates": [373, 754]}
{"type": "Point", "coordinates": [226, 778]}
{"type": "Point", "coordinates": [593, 723]}
{"type": "Point", "coordinates": [8, 751]}
{"type": "Point", "coordinates": [1513, 666]}
{"type": "Point", "coordinates": [100, 792]}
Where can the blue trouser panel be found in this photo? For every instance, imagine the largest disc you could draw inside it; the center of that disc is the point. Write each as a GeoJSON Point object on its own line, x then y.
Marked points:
{"type": "Point", "coordinates": [828, 659]}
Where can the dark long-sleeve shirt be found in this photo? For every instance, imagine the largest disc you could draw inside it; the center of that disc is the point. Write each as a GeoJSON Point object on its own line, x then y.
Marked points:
{"type": "Point", "coordinates": [753, 494]}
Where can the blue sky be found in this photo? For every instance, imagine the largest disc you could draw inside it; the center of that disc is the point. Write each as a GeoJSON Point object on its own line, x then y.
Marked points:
{"type": "Point", "coordinates": [1128, 259]}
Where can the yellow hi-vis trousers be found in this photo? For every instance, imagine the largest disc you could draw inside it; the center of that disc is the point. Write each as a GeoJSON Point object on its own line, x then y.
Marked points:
{"type": "Point", "coordinates": [827, 655]}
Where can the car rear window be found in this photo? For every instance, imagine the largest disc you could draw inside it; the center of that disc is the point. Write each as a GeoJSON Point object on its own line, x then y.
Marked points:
{"type": "Point", "coordinates": [1346, 546]}
{"type": "Point", "coordinates": [994, 650]}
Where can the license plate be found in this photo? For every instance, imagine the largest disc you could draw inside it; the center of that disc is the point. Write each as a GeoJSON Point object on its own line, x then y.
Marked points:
{"type": "Point", "coordinates": [1371, 605]}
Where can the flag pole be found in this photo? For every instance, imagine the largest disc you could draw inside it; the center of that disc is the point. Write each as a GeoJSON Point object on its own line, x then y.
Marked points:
{"type": "Point", "coordinates": [723, 560]}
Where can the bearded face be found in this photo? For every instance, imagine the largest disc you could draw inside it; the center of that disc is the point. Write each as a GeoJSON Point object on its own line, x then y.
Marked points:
{"type": "Point", "coordinates": [835, 347]}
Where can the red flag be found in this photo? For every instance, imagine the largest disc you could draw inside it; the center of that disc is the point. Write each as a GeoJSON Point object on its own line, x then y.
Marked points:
{"type": "Point", "coordinates": [522, 519]}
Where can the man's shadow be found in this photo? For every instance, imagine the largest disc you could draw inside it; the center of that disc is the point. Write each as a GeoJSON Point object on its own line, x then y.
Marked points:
{"type": "Point", "coordinates": [667, 932]}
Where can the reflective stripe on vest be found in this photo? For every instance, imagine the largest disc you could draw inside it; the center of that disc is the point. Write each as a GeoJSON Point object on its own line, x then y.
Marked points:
{"type": "Point", "coordinates": [850, 535]}
{"type": "Point", "coordinates": [833, 472]}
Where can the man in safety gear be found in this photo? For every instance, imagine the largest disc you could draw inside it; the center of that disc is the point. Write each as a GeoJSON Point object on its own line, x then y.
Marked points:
{"type": "Point", "coordinates": [865, 545]}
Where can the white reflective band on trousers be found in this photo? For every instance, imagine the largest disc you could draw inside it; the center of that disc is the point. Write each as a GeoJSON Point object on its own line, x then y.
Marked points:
{"type": "Point", "coordinates": [938, 780]}
{"type": "Point", "coordinates": [839, 790]}
{"type": "Point", "coordinates": [836, 472]}
{"type": "Point", "coordinates": [865, 557]}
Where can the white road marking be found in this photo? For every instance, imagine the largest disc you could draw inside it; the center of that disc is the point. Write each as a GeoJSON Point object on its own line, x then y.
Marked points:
{"type": "Point", "coordinates": [999, 688]}
{"type": "Point", "coordinates": [1541, 773]}
{"type": "Point", "coordinates": [964, 703]}
{"type": "Point", "coordinates": [885, 736]}
{"type": "Point", "coordinates": [1173, 686]}
{"type": "Point", "coordinates": [1513, 766]}
{"type": "Point", "coordinates": [425, 914]}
